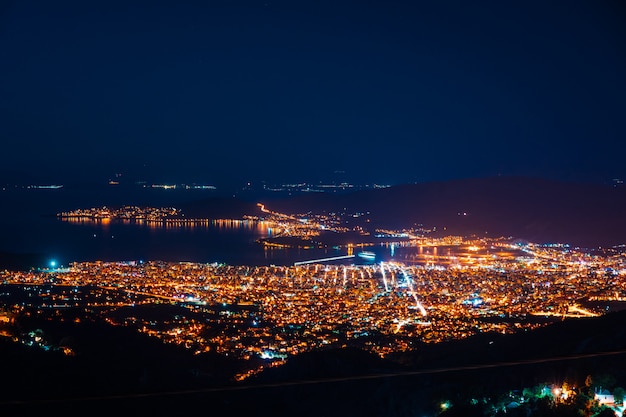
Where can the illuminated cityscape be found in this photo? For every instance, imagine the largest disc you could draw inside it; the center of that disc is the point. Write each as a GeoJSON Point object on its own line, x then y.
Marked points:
{"type": "Point", "coordinates": [274, 312]}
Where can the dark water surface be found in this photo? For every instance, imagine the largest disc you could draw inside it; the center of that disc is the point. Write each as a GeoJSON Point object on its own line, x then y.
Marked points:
{"type": "Point", "coordinates": [28, 224]}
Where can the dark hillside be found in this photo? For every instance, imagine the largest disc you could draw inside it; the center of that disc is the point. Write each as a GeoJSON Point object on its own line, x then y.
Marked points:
{"type": "Point", "coordinates": [336, 382]}
{"type": "Point", "coordinates": [533, 209]}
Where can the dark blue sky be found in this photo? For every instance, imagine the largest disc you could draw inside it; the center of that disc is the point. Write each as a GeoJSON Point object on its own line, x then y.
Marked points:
{"type": "Point", "coordinates": [386, 91]}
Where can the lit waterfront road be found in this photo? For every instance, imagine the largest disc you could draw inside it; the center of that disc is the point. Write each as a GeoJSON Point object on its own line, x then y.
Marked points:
{"type": "Point", "coordinates": [315, 261]}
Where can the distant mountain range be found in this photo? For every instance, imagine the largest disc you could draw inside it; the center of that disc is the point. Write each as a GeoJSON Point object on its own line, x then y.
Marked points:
{"type": "Point", "coordinates": [587, 215]}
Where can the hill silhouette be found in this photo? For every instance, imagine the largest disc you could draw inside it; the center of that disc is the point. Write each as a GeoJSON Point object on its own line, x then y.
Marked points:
{"type": "Point", "coordinates": [538, 210]}
{"type": "Point", "coordinates": [486, 365]}
{"type": "Point", "coordinates": [125, 374]}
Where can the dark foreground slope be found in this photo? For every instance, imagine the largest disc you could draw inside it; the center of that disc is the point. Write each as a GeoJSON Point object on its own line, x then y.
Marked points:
{"type": "Point", "coordinates": [341, 382]}
{"type": "Point", "coordinates": [527, 208]}
{"type": "Point", "coordinates": [484, 366]}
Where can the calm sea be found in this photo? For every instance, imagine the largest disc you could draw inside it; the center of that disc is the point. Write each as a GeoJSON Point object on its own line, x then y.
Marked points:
{"type": "Point", "coordinates": [28, 225]}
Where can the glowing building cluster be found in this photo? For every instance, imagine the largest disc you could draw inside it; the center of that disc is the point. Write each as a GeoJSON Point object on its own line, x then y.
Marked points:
{"type": "Point", "coordinates": [271, 312]}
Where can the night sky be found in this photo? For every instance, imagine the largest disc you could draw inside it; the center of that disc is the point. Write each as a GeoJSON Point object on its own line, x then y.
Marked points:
{"type": "Point", "coordinates": [390, 92]}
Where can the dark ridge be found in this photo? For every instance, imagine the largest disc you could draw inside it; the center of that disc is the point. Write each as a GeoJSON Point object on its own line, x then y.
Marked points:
{"type": "Point", "coordinates": [219, 208]}
{"type": "Point", "coordinates": [566, 338]}
{"type": "Point", "coordinates": [571, 337]}
{"type": "Point", "coordinates": [109, 360]}
{"type": "Point", "coordinates": [526, 353]}
{"type": "Point", "coordinates": [331, 363]}
{"type": "Point", "coordinates": [114, 360]}
{"type": "Point", "coordinates": [537, 210]}
{"type": "Point", "coordinates": [148, 312]}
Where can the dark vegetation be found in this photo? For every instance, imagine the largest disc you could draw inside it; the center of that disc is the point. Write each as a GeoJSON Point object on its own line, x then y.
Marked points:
{"type": "Point", "coordinates": [127, 369]}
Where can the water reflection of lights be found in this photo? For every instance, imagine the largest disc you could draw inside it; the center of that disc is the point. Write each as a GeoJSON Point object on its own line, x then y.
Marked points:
{"type": "Point", "coordinates": [263, 227]}
{"type": "Point", "coordinates": [448, 255]}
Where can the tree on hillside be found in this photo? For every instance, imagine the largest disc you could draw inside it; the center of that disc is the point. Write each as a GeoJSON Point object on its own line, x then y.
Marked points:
{"type": "Point", "coordinates": [618, 394]}
{"type": "Point", "coordinates": [606, 412]}
{"type": "Point", "coordinates": [604, 381]}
